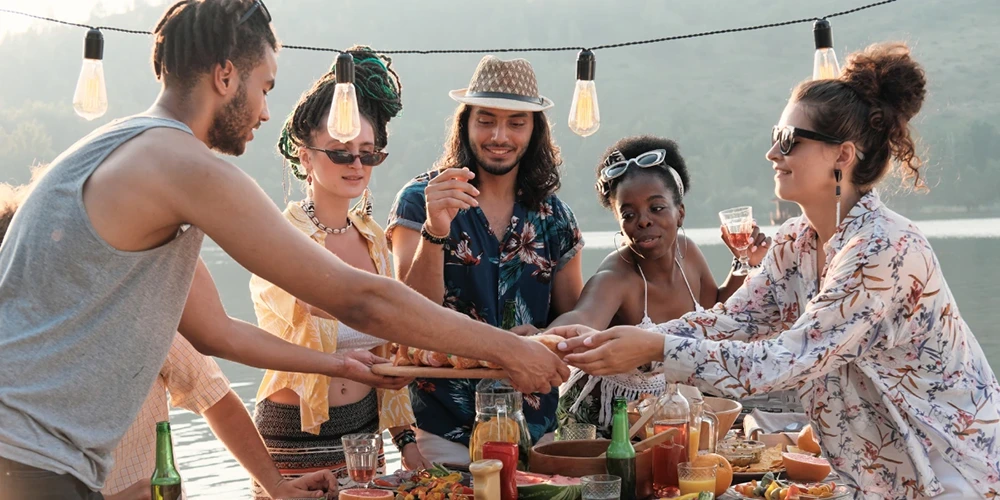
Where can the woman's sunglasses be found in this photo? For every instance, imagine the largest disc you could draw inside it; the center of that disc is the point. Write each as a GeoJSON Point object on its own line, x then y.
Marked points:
{"type": "Point", "coordinates": [787, 137]}
{"type": "Point", "coordinates": [648, 159]}
{"type": "Point", "coordinates": [341, 157]}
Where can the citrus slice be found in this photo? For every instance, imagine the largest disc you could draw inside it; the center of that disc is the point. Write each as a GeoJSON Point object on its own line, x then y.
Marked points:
{"type": "Point", "coordinates": [802, 467]}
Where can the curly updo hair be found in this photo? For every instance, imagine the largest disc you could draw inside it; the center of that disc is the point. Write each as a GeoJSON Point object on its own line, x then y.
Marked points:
{"type": "Point", "coordinates": [379, 100]}
{"type": "Point", "coordinates": [871, 103]}
{"type": "Point", "coordinates": [631, 147]}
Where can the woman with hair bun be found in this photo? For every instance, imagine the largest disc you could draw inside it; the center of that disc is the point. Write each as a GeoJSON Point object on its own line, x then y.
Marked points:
{"type": "Point", "coordinates": [850, 308]}
{"type": "Point", "coordinates": [303, 416]}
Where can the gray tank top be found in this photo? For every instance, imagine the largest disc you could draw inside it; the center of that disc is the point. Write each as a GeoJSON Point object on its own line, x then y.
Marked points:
{"type": "Point", "coordinates": [84, 328]}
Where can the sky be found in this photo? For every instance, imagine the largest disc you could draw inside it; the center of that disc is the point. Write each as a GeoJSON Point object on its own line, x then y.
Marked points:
{"type": "Point", "coordinates": [79, 11]}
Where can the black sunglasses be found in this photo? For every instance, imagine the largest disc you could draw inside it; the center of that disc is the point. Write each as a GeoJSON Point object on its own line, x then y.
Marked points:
{"type": "Point", "coordinates": [341, 157]}
{"type": "Point", "coordinates": [786, 138]}
{"type": "Point", "coordinates": [257, 5]}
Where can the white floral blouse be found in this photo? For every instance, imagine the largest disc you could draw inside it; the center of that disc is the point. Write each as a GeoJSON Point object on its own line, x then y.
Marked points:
{"type": "Point", "coordinates": [885, 365]}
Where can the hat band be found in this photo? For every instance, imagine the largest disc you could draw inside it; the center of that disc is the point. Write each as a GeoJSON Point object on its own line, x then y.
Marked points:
{"type": "Point", "coordinates": [504, 95]}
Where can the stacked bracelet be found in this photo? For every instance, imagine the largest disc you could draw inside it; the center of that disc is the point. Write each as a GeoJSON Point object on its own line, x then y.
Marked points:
{"type": "Point", "coordinates": [437, 240]}
{"type": "Point", "coordinates": [404, 438]}
{"type": "Point", "coordinates": [737, 265]}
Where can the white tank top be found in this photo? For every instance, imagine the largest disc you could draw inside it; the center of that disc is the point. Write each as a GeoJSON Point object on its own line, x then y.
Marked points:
{"type": "Point", "coordinates": [630, 385]}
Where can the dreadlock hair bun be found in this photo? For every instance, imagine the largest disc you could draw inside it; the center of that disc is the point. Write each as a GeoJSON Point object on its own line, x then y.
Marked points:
{"type": "Point", "coordinates": [379, 100]}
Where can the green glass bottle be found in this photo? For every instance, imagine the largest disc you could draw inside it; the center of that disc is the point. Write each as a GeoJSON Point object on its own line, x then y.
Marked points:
{"type": "Point", "coordinates": [509, 318]}
{"type": "Point", "coordinates": [621, 454]}
{"type": "Point", "coordinates": [166, 482]}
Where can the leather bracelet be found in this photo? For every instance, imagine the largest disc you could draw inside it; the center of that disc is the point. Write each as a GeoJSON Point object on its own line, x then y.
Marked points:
{"type": "Point", "coordinates": [437, 240]}
{"type": "Point", "coordinates": [404, 438]}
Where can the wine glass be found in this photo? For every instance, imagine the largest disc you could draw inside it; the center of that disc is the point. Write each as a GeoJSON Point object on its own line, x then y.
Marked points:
{"type": "Point", "coordinates": [738, 225]}
{"type": "Point", "coordinates": [361, 455]}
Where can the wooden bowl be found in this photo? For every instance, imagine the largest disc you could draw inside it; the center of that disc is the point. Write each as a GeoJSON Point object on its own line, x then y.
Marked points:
{"type": "Point", "coordinates": [726, 410]}
{"type": "Point", "coordinates": [580, 458]}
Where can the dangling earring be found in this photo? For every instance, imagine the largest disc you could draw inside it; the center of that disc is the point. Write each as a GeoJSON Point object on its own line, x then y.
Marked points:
{"type": "Point", "coordinates": [309, 179]}
{"type": "Point", "coordinates": [368, 202]}
{"type": "Point", "coordinates": [837, 175]}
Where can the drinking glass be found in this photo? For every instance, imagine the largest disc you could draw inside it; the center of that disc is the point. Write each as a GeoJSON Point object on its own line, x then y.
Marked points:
{"type": "Point", "coordinates": [601, 487]}
{"type": "Point", "coordinates": [738, 225]}
{"type": "Point", "coordinates": [570, 432]}
{"type": "Point", "coordinates": [361, 455]}
{"type": "Point", "coordinates": [696, 478]}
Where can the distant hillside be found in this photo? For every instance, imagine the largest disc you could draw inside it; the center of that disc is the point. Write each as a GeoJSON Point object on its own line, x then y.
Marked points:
{"type": "Point", "coordinates": [717, 96]}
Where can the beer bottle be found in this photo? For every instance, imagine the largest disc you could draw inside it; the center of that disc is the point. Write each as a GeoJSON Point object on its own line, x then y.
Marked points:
{"type": "Point", "coordinates": [166, 482]}
{"type": "Point", "coordinates": [621, 454]}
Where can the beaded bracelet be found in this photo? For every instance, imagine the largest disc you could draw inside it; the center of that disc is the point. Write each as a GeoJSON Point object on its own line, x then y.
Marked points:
{"type": "Point", "coordinates": [437, 240]}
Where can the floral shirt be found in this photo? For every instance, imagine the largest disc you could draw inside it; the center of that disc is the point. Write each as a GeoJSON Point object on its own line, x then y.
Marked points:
{"type": "Point", "coordinates": [481, 274]}
{"type": "Point", "coordinates": [886, 367]}
{"type": "Point", "coordinates": [281, 314]}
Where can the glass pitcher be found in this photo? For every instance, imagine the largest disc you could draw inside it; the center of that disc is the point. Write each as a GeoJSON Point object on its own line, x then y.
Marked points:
{"type": "Point", "coordinates": [671, 411]}
{"type": "Point", "coordinates": [700, 412]}
{"type": "Point", "coordinates": [499, 418]}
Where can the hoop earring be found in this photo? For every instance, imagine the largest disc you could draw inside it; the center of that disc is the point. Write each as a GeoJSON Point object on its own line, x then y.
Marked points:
{"type": "Point", "coordinates": [678, 243]}
{"type": "Point", "coordinates": [618, 248]}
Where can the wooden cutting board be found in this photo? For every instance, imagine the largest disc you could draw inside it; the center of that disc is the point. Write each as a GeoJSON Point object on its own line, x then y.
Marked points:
{"type": "Point", "coordinates": [388, 369]}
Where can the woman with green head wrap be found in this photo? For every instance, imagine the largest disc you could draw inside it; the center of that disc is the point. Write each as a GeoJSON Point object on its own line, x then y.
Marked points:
{"type": "Point", "coordinates": [303, 416]}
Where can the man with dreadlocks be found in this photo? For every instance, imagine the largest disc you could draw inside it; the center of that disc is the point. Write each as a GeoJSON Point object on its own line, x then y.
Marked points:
{"type": "Point", "coordinates": [115, 228]}
{"type": "Point", "coordinates": [302, 417]}
{"type": "Point", "coordinates": [484, 232]}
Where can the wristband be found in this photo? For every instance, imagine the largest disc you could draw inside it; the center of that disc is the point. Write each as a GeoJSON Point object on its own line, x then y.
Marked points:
{"type": "Point", "coordinates": [404, 438]}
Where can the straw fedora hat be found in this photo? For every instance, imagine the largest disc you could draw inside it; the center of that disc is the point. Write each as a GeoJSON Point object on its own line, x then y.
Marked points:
{"type": "Point", "coordinates": [499, 84]}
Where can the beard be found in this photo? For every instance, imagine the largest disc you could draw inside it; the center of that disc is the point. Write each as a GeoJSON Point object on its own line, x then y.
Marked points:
{"type": "Point", "coordinates": [493, 167]}
{"type": "Point", "coordinates": [230, 126]}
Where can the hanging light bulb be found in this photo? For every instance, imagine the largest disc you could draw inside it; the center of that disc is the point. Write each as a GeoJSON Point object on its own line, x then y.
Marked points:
{"type": "Point", "coordinates": [584, 116]}
{"type": "Point", "coordinates": [90, 100]}
{"type": "Point", "coordinates": [344, 122]}
{"type": "Point", "coordinates": [825, 61]}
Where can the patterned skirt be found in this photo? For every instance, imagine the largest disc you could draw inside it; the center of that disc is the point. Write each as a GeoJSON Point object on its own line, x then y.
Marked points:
{"type": "Point", "coordinates": [296, 453]}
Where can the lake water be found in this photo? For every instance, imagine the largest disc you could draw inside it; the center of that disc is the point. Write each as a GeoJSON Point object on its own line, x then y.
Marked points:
{"type": "Point", "coordinates": [968, 251]}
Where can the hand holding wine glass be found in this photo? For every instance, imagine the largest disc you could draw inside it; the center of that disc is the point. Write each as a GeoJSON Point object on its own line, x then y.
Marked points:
{"type": "Point", "coordinates": [759, 245]}
{"type": "Point", "coordinates": [738, 227]}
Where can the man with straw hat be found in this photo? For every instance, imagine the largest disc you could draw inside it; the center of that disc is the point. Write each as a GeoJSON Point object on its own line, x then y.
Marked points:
{"type": "Point", "coordinates": [484, 234]}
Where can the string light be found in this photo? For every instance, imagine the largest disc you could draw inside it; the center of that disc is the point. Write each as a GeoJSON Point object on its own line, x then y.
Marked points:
{"type": "Point", "coordinates": [584, 115]}
{"type": "Point", "coordinates": [344, 122]}
{"type": "Point", "coordinates": [825, 64]}
{"type": "Point", "coordinates": [90, 100]}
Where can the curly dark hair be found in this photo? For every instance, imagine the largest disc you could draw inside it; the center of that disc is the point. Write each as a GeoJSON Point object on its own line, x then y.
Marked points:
{"type": "Point", "coordinates": [633, 146]}
{"type": "Point", "coordinates": [379, 100]}
{"type": "Point", "coordinates": [195, 35]}
{"type": "Point", "coordinates": [871, 103]}
{"type": "Point", "coordinates": [538, 173]}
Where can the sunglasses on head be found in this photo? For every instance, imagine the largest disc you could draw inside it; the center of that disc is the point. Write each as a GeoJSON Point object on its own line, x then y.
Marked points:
{"type": "Point", "coordinates": [254, 7]}
{"type": "Point", "coordinates": [645, 160]}
{"type": "Point", "coordinates": [787, 137]}
{"type": "Point", "coordinates": [341, 157]}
